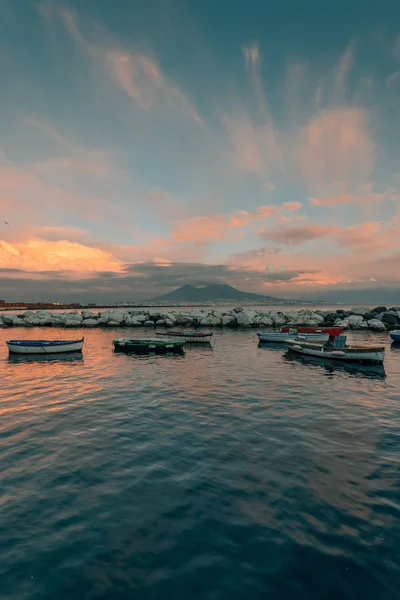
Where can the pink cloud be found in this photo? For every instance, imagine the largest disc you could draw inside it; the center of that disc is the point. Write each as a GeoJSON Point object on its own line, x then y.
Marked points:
{"type": "Point", "coordinates": [136, 73]}
{"type": "Point", "coordinates": [140, 77]}
{"type": "Point", "coordinates": [332, 199]}
{"type": "Point", "coordinates": [336, 146]}
{"type": "Point", "coordinates": [291, 206]}
{"type": "Point", "coordinates": [251, 54]}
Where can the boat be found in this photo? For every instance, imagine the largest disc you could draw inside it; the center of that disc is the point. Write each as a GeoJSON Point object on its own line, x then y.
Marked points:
{"type": "Point", "coordinates": [338, 351]}
{"type": "Point", "coordinates": [279, 336]}
{"type": "Point", "coordinates": [44, 346]}
{"type": "Point", "coordinates": [333, 331]}
{"type": "Point", "coordinates": [190, 337]}
{"type": "Point", "coordinates": [395, 335]}
{"type": "Point", "coordinates": [148, 345]}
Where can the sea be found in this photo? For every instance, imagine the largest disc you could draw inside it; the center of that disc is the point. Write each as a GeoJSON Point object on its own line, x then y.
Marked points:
{"type": "Point", "coordinates": [235, 472]}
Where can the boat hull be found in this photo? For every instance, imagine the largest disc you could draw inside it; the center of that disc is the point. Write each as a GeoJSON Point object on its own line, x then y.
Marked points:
{"type": "Point", "coordinates": [42, 347]}
{"type": "Point", "coordinates": [332, 331]}
{"type": "Point", "coordinates": [357, 354]}
{"type": "Point", "coordinates": [279, 336]}
{"type": "Point", "coordinates": [148, 346]}
{"type": "Point", "coordinates": [187, 337]}
{"type": "Point", "coordinates": [395, 335]}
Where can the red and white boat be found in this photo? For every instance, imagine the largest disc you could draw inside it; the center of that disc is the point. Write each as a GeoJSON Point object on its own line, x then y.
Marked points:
{"type": "Point", "coordinates": [333, 331]}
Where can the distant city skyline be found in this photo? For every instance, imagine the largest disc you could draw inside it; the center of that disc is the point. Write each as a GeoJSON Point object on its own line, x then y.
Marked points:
{"type": "Point", "coordinates": [145, 146]}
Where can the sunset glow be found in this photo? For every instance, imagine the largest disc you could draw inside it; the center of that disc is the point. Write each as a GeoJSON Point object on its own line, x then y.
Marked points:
{"type": "Point", "coordinates": [195, 154]}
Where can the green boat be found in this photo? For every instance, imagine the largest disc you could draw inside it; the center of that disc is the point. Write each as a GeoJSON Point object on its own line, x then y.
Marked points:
{"type": "Point", "coordinates": [148, 345]}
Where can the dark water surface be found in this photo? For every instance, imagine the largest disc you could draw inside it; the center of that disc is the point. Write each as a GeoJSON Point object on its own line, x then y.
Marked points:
{"type": "Point", "coordinates": [231, 473]}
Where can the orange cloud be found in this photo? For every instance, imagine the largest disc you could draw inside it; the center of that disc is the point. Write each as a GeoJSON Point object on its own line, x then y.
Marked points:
{"type": "Point", "coordinates": [42, 255]}
{"type": "Point", "coordinates": [291, 206]}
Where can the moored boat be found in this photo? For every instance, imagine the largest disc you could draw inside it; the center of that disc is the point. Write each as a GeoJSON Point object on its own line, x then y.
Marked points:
{"type": "Point", "coordinates": [44, 346]}
{"type": "Point", "coordinates": [332, 331]}
{"type": "Point", "coordinates": [190, 337]}
{"type": "Point", "coordinates": [344, 352]}
{"type": "Point", "coordinates": [148, 345]}
{"type": "Point", "coordinates": [280, 336]}
{"type": "Point", "coordinates": [395, 335]}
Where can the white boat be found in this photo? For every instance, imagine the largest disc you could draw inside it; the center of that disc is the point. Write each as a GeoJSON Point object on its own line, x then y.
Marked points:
{"type": "Point", "coordinates": [190, 337]}
{"type": "Point", "coordinates": [359, 354]}
{"type": "Point", "coordinates": [44, 346]}
{"type": "Point", "coordinates": [283, 336]}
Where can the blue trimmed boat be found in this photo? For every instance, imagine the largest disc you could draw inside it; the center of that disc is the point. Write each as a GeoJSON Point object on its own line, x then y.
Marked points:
{"type": "Point", "coordinates": [44, 346]}
{"type": "Point", "coordinates": [395, 335]}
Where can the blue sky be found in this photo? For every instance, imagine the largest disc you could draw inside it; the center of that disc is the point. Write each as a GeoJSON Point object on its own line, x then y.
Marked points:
{"type": "Point", "coordinates": [256, 138]}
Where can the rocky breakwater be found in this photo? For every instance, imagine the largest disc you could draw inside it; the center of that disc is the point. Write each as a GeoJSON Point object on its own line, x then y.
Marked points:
{"type": "Point", "coordinates": [380, 318]}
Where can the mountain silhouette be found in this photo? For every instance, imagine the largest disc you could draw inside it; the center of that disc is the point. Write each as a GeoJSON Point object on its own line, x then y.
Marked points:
{"type": "Point", "coordinates": [212, 293]}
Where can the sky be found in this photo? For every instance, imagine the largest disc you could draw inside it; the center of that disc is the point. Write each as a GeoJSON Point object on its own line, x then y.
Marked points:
{"type": "Point", "coordinates": [148, 144]}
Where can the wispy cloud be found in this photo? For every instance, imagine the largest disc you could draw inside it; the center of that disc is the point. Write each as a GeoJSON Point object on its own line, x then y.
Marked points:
{"type": "Point", "coordinates": [393, 78]}
{"type": "Point", "coordinates": [335, 146]}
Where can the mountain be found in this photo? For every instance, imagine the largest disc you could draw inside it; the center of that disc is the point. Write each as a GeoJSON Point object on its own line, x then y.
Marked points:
{"type": "Point", "coordinates": [212, 293]}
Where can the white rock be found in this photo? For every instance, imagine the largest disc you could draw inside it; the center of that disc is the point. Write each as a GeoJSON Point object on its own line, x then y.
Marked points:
{"type": "Point", "coordinates": [317, 318]}
{"type": "Point", "coordinates": [72, 323]}
{"type": "Point", "coordinates": [90, 323]}
{"type": "Point", "coordinates": [210, 321]}
{"type": "Point", "coordinates": [141, 318]}
{"type": "Point", "coordinates": [244, 320]}
{"type": "Point", "coordinates": [266, 322]}
{"type": "Point", "coordinates": [376, 325]}
{"type": "Point", "coordinates": [228, 320]}
{"type": "Point", "coordinates": [344, 324]}
{"type": "Point", "coordinates": [19, 323]}
{"type": "Point", "coordinates": [359, 311]}
{"type": "Point", "coordinates": [278, 320]}
{"type": "Point", "coordinates": [113, 324]}
{"type": "Point", "coordinates": [9, 319]}
{"type": "Point", "coordinates": [149, 323]}
{"type": "Point", "coordinates": [355, 321]}
{"type": "Point", "coordinates": [88, 314]}
{"type": "Point", "coordinates": [133, 322]}
{"type": "Point", "coordinates": [160, 322]}
{"type": "Point", "coordinates": [172, 317]}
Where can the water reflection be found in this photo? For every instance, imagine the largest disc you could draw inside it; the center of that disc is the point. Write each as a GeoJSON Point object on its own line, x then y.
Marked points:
{"type": "Point", "coordinates": [332, 367]}
{"type": "Point", "coordinates": [43, 358]}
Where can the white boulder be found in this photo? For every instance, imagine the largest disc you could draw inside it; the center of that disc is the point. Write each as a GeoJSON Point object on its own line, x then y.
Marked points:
{"type": "Point", "coordinates": [244, 320]}
{"type": "Point", "coordinates": [90, 323]}
{"type": "Point", "coordinates": [87, 314]}
{"type": "Point", "coordinates": [344, 324]}
{"type": "Point", "coordinates": [359, 311]}
{"type": "Point", "coordinates": [376, 325]}
{"type": "Point", "coordinates": [72, 323]}
{"type": "Point", "coordinates": [355, 321]}
{"type": "Point", "coordinates": [228, 320]}
{"type": "Point", "coordinates": [266, 322]}
{"type": "Point", "coordinates": [278, 320]}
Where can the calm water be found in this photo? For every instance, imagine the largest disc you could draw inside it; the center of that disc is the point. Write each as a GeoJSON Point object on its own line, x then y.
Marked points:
{"type": "Point", "coordinates": [231, 473]}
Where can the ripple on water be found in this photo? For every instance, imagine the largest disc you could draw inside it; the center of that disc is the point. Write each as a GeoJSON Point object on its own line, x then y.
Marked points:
{"type": "Point", "coordinates": [236, 472]}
